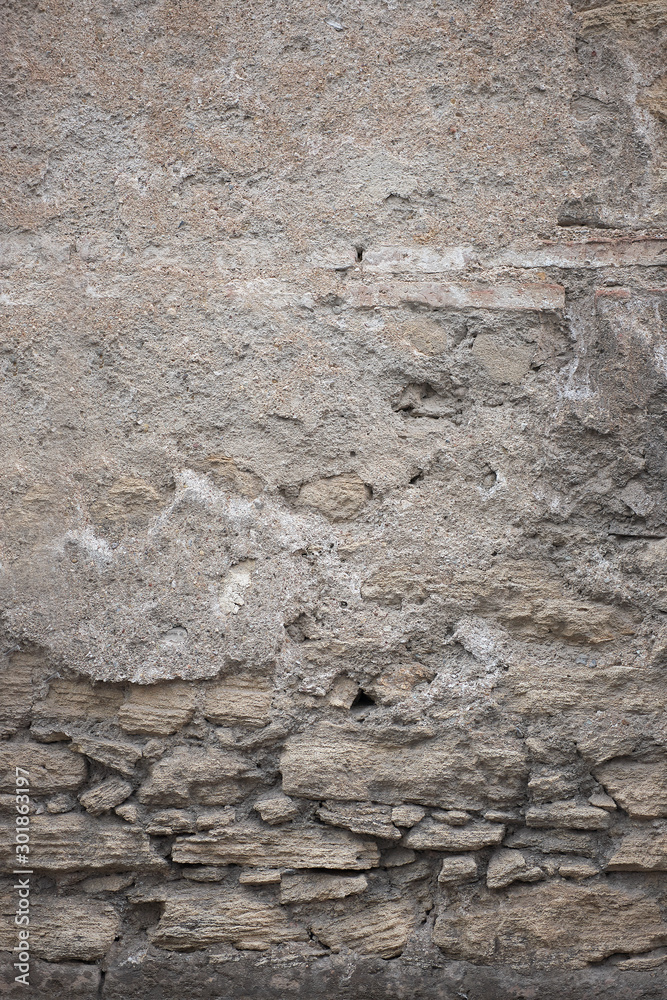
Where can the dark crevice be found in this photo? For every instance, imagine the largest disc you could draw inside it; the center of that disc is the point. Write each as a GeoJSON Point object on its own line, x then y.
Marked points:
{"type": "Point", "coordinates": [362, 700]}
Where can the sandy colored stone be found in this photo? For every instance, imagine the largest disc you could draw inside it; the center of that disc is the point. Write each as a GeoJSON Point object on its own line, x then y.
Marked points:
{"type": "Point", "coordinates": [80, 700]}
{"type": "Point", "coordinates": [52, 769]}
{"type": "Point", "coordinates": [16, 694]}
{"type": "Point", "coordinates": [170, 821]}
{"type": "Point", "coordinates": [238, 702]}
{"type": "Point", "coordinates": [105, 796]}
{"type": "Point", "coordinates": [226, 472]}
{"type": "Point", "coordinates": [602, 801]}
{"type": "Point", "coordinates": [210, 819]}
{"type": "Point", "coordinates": [577, 870]}
{"type": "Point", "coordinates": [398, 682]}
{"type": "Point", "coordinates": [258, 876]}
{"type": "Point", "coordinates": [337, 497]}
{"type": "Point", "coordinates": [160, 709]}
{"type": "Point", "coordinates": [551, 922]}
{"type": "Point", "coordinates": [311, 887]}
{"type": "Point", "coordinates": [553, 841]}
{"type": "Point", "coordinates": [430, 835]}
{"type": "Point", "coordinates": [107, 883]}
{"type": "Point", "coordinates": [75, 842]}
{"type": "Point", "coordinates": [280, 847]}
{"type": "Point", "coordinates": [333, 347]}
{"type": "Point", "coordinates": [196, 919]}
{"type": "Point", "coordinates": [118, 754]}
{"type": "Point", "coordinates": [338, 762]}
{"type": "Point", "coordinates": [507, 866]}
{"type": "Point", "coordinates": [457, 869]}
{"type": "Point", "coordinates": [454, 817]}
{"type": "Point", "coordinates": [276, 809]}
{"type": "Point", "coordinates": [407, 816]}
{"type": "Point", "coordinates": [570, 815]}
{"type": "Point", "coordinates": [639, 788]}
{"type": "Point", "coordinates": [205, 775]}
{"type": "Point", "coordinates": [62, 803]}
{"type": "Point", "coordinates": [641, 850]}
{"type": "Point", "coordinates": [360, 817]}
{"type": "Point", "coordinates": [73, 928]}
{"type": "Point", "coordinates": [381, 930]}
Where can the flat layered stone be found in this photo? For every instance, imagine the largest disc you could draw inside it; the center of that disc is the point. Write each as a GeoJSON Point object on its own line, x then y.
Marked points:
{"type": "Point", "coordinates": [311, 887]}
{"type": "Point", "coordinates": [276, 809]}
{"type": "Point", "coordinates": [105, 796]}
{"type": "Point", "coordinates": [568, 815]}
{"type": "Point", "coordinates": [360, 817]}
{"type": "Point", "coordinates": [76, 928]}
{"type": "Point", "coordinates": [198, 774]}
{"type": "Point", "coordinates": [457, 869]}
{"type": "Point", "coordinates": [430, 835]}
{"type": "Point", "coordinates": [278, 847]}
{"type": "Point", "coordinates": [554, 841]}
{"type": "Point", "coordinates": [641, 850]}
{"type": "Point", "coordinates": [51, 769]}
{"type": "Point", "coordinates": [75, 700]}
{"type": "Point", "coordinates": [507, 866]}
{"type": "Point", "coordinates": [202, 917]}
{"type": "Point", "coordinates": [119, 755]}
{"type": "Point", "coordinates": [381, 930]}
{"type": "Point", "coordinates": [454, 771]}
{"type": "Point", "coordinates": [238, 702]}
{"type": "Point", "coordinates": [549, 923]}
{"type": "Point", "coordinates": [157, 709]}
{"type": "Point", "coordinates": [72, 842]}
{"type": "Point", "coordinates": [640, 788]}
{"type": "Point", "coordinates": [590, 254]}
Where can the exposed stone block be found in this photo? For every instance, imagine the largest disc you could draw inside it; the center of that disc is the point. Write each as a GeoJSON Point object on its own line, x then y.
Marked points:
{"type": "Point", "coordinates": [104, 797]}
{"type": "Point", "coordinates": [551, 922]}
{"type": "Point", "coordinates": [276, 809]}
{"type": "Point", "coordinates": [641, 850]}
{"type": "Point", "coordinates": [282, 847]}
{"type": "Point", "coordinates": [75, 842]}
{"type": "Point", "coordinates": [198, 918]}
{"type": "Point", "coordinates": [117, 754]}
{"type": "Point", "coordinates": [159, 709]}
{"type": "Point", "coordinates": [570, 815]}
{"type": "Point", "coordinates": [311, 887]}
{"type": "Point", "coordinates": [429, 835]}
{"type": "Point", "coordinates": [198, 774]}
{"type": "Point", "coordinates": [80, 700]}
{"type": "Point", "coordinates": [458, 868]}
{"type": "Point", "coordinates": [52, 769]}
{"type": "Point", "coordinates": [238, 702]}
{"type": "Point", "coordinates": [338, 497]}
{"type": "Point", "coordinates": [640, 788]}
{"type": "Point", "coordinates": [360, 817]}
{"type": "Point", "coordinates": [339, 762]}
{"type": "Point", "coordinates": [507, 866]}
{"type": "Point", "coordinates": [381, 930]}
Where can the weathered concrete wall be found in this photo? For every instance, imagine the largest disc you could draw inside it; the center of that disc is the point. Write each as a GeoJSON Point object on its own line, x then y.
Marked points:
{"type": "Point", "coordinates": [333, 567]}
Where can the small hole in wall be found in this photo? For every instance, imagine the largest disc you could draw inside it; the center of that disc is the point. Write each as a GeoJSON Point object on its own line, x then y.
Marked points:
{"type": "Point", "coordinates": [362, 700]}
{"type": "Point", "coordinates": [360, 253]}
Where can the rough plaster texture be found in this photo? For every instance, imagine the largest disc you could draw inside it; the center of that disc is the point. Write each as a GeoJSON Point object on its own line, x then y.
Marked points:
{"type": "Point", "coordinates": [333, 567]}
